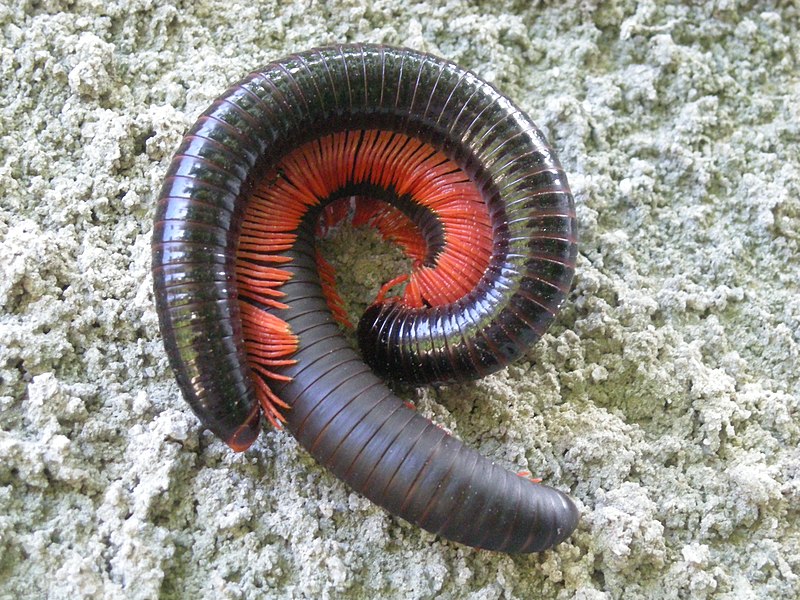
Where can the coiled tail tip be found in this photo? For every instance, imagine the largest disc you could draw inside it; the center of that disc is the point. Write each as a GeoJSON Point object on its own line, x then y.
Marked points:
{"type": "Point", "coordinates": [241, 438]}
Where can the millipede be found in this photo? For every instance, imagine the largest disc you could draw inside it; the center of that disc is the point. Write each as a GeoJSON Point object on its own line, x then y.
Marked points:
{"type": "Point", "coordinates": [440, 163]}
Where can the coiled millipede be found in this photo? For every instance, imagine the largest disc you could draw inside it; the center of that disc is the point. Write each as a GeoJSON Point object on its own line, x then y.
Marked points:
{"type": "Point", "coordinates": [442, 163]}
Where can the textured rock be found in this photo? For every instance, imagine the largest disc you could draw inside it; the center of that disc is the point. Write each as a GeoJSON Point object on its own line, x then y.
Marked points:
{"type": "Point", "coordinates": [666, 398]}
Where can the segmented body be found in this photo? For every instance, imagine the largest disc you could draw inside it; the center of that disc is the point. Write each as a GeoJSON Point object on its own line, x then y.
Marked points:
{"type": "Point", "coordinates": [244, 315]}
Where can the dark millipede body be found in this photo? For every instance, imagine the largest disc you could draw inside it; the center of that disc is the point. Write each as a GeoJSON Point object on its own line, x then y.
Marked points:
{"type": "Point", "coordinates": [441, 163]}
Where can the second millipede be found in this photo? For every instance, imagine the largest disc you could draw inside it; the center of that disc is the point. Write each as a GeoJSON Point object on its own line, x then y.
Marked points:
{"type": "Point", "coordinates": [439, 162]}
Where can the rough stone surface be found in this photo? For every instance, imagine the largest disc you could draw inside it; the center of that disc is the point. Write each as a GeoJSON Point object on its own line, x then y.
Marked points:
{"type": "Point", "coordinates": [666, 398]}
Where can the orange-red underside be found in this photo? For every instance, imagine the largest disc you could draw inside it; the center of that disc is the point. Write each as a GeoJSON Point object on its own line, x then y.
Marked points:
{"type": "Point", "coordinates": [321, 169]}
